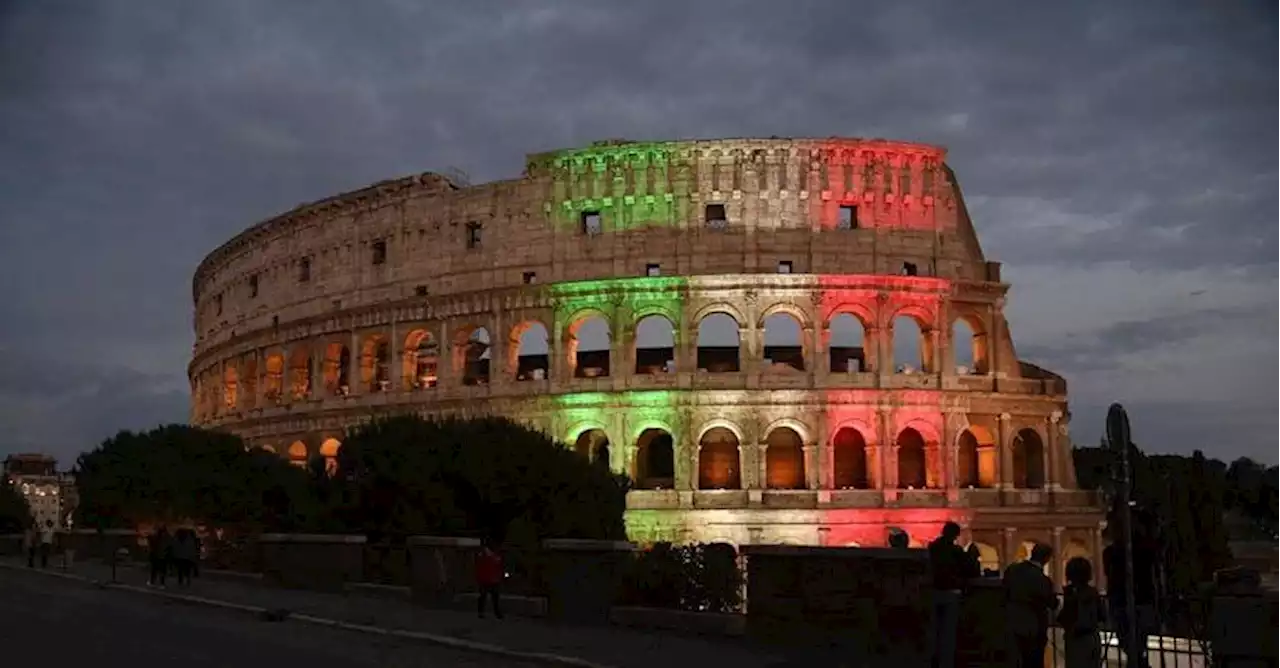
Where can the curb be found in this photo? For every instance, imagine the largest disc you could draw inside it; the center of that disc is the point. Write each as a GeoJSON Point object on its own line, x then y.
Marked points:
{"type": "Point", "coordinates": [418, 636]}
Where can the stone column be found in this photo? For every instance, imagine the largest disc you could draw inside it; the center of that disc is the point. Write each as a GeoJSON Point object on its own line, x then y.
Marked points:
{"type": "Point", "coordinates": [948, 449]}
{"type": "Point", "coordinates": [882, 449]}
{"type": "Point", "coordinates": [1052, 460]}
{"type": "Point", "coordinates": [558, 351]}
{"type": "Point", "coordinates": [1095, 555]}
{"type": "Point", "coordinates": [446, 375]}
{"type": "Point", "coordinates": [822, 350]}
{"type": "Point", "coordinates": [871, 349]}
{"type": "Point", "coordinates": [762, 465]}
{"type": "Point", "coordinates": [355, 362]}
{"type": "Point", "coordinates": [811, 472]}
{"type": "Point", "coordinates": [1004, 471]}
{"type": "Point", "coordinates": [1056, 564]}
{"type": "Point", "coordinates": [395, 362]}
{"type": "Point", "coordinates": [1008, 547]}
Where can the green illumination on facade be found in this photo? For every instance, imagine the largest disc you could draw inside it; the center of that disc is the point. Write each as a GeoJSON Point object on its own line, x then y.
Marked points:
{"type": "Point", "coordinates": [631, 185]}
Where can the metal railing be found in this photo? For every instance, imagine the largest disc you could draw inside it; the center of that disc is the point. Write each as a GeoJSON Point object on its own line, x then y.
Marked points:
{"type": "Point", "coordinates": [1177, 638]}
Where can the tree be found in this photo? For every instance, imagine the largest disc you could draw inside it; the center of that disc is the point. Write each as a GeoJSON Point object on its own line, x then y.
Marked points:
{"type": "Point", "coordinates": [181, 473]}
{"type": "Point", "coordinates": [488, 477]}
{"type": "Point", "coordinates": [15, 514]}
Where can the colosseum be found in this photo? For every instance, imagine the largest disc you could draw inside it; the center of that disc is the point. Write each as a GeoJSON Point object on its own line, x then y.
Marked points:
{"type": "Point", "coordinates": [780, 340]}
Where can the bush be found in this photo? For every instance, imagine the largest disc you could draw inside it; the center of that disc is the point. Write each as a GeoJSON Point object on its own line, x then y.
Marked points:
{"type": "Point", "coordinates": [699, 578]}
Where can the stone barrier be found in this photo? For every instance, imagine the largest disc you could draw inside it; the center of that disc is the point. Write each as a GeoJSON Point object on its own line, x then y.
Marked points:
{"type": "Point", "coordinates": [323, 562]}
{"type": "Point", "coordinates": [441, 568]}
{"type": "Point", "coordinates": [862, 602]}
{"type": "Point", "coordinates": [582, 577]}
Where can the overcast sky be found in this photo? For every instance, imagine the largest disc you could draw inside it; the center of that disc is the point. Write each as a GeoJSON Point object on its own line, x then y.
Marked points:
{"type": "Point", "coordinates": [1118, 157]}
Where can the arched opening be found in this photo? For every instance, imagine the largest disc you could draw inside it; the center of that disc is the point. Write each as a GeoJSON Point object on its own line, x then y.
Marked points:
{"type": "Point", "coordinates": [472, 357]}
{"type": "Point", "coordinates": [783, 343]}
{"type": "Point", "coordinates": [718, 344]}
{"type": "Point", "coordinates": [1024, 553]}
{"type": "Point", "coordinates": [275, 378]}
{"type": "Point", "coordinates": [593, 444]}
{"type": "Point", "coordinates": [329, 450]}
{"type": "Point", "coordinates": [719, 464]}
{"type": "Point", "coordinates": [375, 363]}
{"type": "Point", "coordinates": [912, 473]}
{"type": "Point", "coordinates": [420, 369]}
{"type": "Point", "coordinates": [269, 448]}
{"type": "Point", "coordinates": [249, 383]}
{"type": "Point", "coordinates": [967, 463]}
{"type": "Point", "coordinates": [529, 341]}
{"type": "Point", "coordinates": [911, 349]}
{"type": "Point", "coordinates": [655, 466]}
{"type": "Point", "coordinates": [1028, 460]}
{"type": "Point", "coordinates": [337, 369]}
{"type": "Point", "coordinates": [784, 459]}
{"type": "Point", "coordinates": [230, 387]}
{"type": "Point", "coordinates": [300, 385]}
{"type": "Point", "coordinates": [655, 345]}
{"type": "Point", "coordinates": [850, 455]}
{"type": "Point", "coordinates": [1072, 550]}
{"type": "Point", "coordinates": [588, 347]}
{"type": "Point", "coordinates": [988, 558]}
{"type": "Point", "coordinates": [298, 454]}
{"type": "Point", "coordinates": [969, 347]}
{"type": "Point", "coordinates": [847, 347]}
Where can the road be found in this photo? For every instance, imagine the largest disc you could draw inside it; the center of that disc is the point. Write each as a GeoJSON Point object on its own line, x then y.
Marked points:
{"type": "Point", "coordinates": [50, 621]}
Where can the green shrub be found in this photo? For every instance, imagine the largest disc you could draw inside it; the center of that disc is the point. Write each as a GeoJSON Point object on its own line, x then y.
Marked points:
{"type": "Point", "coordinates": [699, 577]}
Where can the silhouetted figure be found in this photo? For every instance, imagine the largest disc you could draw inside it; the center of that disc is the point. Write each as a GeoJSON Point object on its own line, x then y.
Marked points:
{"type": "Point", "coordinates": [1029, 603]}
{"type": "Point", "coordinates": [1144, 590]}
{"type": "Point", "coordinates": [489, 574]}
{"type": "Point", "coordinates": [899, 539]}
{"type": "Point", "coordinates": [185, 554]}
{"type": "Point", "coordinates": [46, 543]}
{"type": "Point", "coordinates": [30, 540]}
{"type": "Point", "coordinates": [1081, 616]}
{"type": "Point", "coordinates": [159, 548]}
{"type": "Point", "coordinates": [952, 569]}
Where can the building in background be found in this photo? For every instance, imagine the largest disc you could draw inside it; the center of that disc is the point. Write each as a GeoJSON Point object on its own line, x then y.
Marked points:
{"type": "Point", "coordinates": [36, 477]}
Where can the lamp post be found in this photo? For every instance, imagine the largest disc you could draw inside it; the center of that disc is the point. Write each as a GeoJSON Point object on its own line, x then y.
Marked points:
{"type": "Point", "coordinates": [1118, 439]}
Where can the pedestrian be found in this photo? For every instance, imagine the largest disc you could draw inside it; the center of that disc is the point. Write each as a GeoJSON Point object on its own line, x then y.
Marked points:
{"type": "Point", "coordinates": [1029, 603]}
{"type": "Point", "coordinates": [184, 555]}
{"type": "Point", "coordinates": [158, 548]}
{"type": "Point", "coordinates": [952, 569]}
{"type": "Point", "coordinates": [1081, 616]}
{"type": "Point", "coordinates": [46, 543]}
{"type": "Point", "coordinates": [489, 575]}
{"type": "Point", "coordinates": [899, 539]}
{"type": "Point", "coordinates": [29, 542]}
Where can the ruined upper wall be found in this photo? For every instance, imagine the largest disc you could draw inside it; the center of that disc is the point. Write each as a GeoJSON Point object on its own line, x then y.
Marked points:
{"type": "Point", "coordinates": [650, 203]}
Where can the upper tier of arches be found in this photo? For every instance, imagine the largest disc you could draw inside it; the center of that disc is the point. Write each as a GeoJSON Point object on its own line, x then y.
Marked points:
{"type": "Point", "coordinates": [682, 208]}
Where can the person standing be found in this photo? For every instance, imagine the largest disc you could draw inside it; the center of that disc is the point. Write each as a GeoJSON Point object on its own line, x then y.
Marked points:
{"type": "Point", "coordinates": [46, 543]}
{"type": "Point", "coordinates": [1029, 603]}
{"type": "Point", "coordinates": [1081, 616]}
{"type": "Point", "coordinates": [29, 542]}
{"type": "Point", "coordinates": [489, 574]}
{"type": "Point", "coordinates": [159, 551]}
{"type": "Point", "coordinates": [952, 569]}
{"type": "Point", "coordinates": [185, 553]}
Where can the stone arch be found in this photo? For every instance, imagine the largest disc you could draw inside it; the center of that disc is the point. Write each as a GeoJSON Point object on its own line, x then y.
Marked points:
{"type": "Point", "coordinates": [297, 453]}
{"type": "Point", "coordinates": [655, 344]}
{"type": "Point", "coordinates": [784, 341]}
{"type": "Point", "coordinates": [800, 428]}
{"type": "Point", "coordinates": [785, 308]}
{"type": "Point", "coordinates": [329, 450]}
{"type": "Point", "coordinates": [593, 445]}
{"type": "Point", "coordinates": [912, 344]}
{"type": "Point", "coordinates": [847, 344]}
{"type": "Point", "coordinates": [375, 362]}
{"type": "Point", "coordinates": [912, 459]}
{"type": "Point", "coordinates": [337, 369]}
{"type": "Point", "coordinates": [719, 459]}
{"type": "Point", "coordinates": [472, 352]}
{"type": "Point", "coordinates": [968, 460]}
{"type": "Point", "coordinates": [420, 366]}
{"type": "Point", "coordinates": [717, 351]}
{"type": "Point", "coordinates": [268, 448]}
{"type": "Point", "coordinates": [721, 422]}
{"type": "Point", "coordinates": [988, 557]}
{"type": "Point", "coordinates": [1024, 552]}
{"type": "Point", "coordinates": [969, 346]}
{"type": "Point", "coordinates": [1028, 459]}
{"type": "Point", "coordinates": [655, 461]}
{"type": "Point", "coordinates": [1072, 549]}
{"type": "Point", "coordinates": [301, 384]}
{"type": "Point", "coordinates": [850, 460]}
{"type": "Point", "coordinates": [784, 459]}
{"type": "Point", "coordinates": [721, 307]}
{"type": "Point", "coordinates": [230, 387]}
{"type": "Point", "coordinates": [274, 389]}
{"type": "Point", "coordinates": [588, 339]}
{"type": "Point", "coordinates": [529, 350]}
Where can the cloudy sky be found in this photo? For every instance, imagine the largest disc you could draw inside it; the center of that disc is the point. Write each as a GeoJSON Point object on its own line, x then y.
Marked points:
{"type": "Point", "coordinates": [1118, 157]}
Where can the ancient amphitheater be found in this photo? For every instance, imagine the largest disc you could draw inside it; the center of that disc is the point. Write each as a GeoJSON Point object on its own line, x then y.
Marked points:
{"type": "Point", "coordinates": [750, 368]}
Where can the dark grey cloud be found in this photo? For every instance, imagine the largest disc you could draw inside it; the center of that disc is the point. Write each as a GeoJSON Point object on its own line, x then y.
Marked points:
{"type": "Point", "coordinates": [135, 137]}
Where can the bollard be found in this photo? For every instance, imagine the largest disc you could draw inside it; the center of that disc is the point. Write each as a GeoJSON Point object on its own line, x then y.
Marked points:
{"type": "Point", "coordinates": [122, 553]}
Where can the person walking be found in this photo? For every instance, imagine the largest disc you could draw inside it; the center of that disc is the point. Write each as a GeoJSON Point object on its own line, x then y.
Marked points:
{"type": "Point", "coordinates": [159, 551]}
{"type": "Point", "coordinates": [46, 543]}
{"type": "Point", "coordinates": [1081, 616]}
{"type": "Point", "coordinates": [185, 554]}
{"type": "Point", "coordinates": [952, 569]}
{"type": "Point", "coordinates": [1029, 603]}
{"type": "Point", "coordinates": [489, 574]}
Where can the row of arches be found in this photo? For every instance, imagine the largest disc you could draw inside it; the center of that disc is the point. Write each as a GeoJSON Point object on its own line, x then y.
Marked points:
{"type": "Point", "coordinates": [376, 363]}
{"type": "Point", "coordinates": [720, 459]}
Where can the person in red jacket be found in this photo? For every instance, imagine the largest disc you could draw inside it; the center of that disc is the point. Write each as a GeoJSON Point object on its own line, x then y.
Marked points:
{"type": "Point", "coordinates": [489, 575]}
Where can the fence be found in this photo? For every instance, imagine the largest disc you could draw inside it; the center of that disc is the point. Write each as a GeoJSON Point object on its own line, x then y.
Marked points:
{"type": "Point", "coordinates": [1177, 637]}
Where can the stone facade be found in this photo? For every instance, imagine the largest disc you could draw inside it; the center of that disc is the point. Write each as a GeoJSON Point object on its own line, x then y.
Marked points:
{"type": "Point", "coordinates": [415, 295]}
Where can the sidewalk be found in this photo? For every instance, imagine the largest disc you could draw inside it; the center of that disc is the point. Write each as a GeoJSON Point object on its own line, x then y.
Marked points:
{"type": "Point", "coordinates": [515, 637]}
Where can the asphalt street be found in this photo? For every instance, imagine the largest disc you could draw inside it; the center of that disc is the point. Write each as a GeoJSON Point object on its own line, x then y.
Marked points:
{"type": "Point", "coordinates": [49, 621]}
